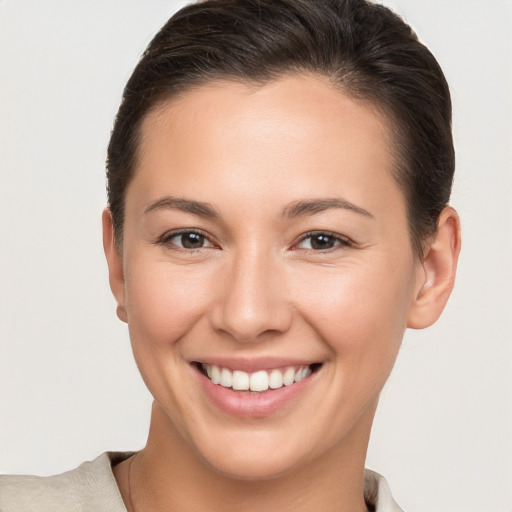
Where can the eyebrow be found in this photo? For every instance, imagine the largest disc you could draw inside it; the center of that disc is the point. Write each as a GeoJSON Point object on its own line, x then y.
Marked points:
{"type": "Point", "coordinates": [295, 209]}
{"type": "Point", "coordinates": [198, 208]}
{"type": "Point", "coordinates": [310, 207]}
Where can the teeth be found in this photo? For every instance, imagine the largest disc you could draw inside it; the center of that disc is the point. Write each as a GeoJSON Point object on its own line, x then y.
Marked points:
{"type": "Point", "coordinates": [215, 374]}
{"type": "Point", "coordinates": [258, 381]}
{"type": "Point", "coordinates": [289, 376]}
{"type": "Point", "coordinates": [226, 378]}
{"type": "Point", "coordinates": [302, 373]}
{"type": "Point", "coordinates": [275, 379]}
{"type": "Point", "coordinates": [240, 380]}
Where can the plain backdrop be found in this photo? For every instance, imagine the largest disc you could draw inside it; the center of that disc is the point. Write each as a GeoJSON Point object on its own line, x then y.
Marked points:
{"type": "Point", "coordinates": [69, 388]}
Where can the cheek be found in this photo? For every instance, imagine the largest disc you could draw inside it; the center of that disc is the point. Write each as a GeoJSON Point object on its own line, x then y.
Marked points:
{"type": "Point", "coordinates": [163, 306]}
{"type": "Point", "coordinates": [361, 308]}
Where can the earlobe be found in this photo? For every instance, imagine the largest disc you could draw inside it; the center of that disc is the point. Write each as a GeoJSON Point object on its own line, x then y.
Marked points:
{"type": "Point", "coordinates": [115, 264]}
{"type": "Point", "coordinates": [438, 270]}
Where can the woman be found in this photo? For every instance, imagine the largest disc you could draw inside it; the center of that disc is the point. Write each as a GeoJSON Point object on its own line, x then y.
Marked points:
{"type": "Point", "coordinates": [278, 177]}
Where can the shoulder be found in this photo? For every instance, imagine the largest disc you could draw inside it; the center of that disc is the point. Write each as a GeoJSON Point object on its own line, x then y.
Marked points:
{"type": "Point", "coordinates": [91, 486]}
{"type": "Point", "coordinates": [378, 494]}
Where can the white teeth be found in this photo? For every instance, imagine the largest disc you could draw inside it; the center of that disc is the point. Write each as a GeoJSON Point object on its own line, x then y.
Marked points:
{"type": "Point", "coordinates": [240, 380]}
{"type": "Point", "coordinates": [275, 380]}
{"type": "Point", "coordinates": [226, 379]}
{"type": "Point", "coordinates": [215, 373]}
{"type": "Point", "coordinates": [302, 374]}
{"type": "Point", "coordinates": [289, 376]}
{"type": "Point", "coordinates": [258, 381]}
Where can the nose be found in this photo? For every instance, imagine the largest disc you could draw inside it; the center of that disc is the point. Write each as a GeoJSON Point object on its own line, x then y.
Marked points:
{"type": "Point", "coordinates": [253, 301]}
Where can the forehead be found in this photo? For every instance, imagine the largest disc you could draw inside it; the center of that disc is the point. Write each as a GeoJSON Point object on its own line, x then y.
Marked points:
{"type": "Point", "coordinates": [300, 100]}
{"type": "Point", "coordinates": [299, 130]}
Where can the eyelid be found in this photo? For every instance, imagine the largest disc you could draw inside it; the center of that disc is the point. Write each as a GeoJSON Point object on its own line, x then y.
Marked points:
{"type": "Point", "coordinates": [165, 239]}
{"type": "Point", "coordinates": [343, 241]}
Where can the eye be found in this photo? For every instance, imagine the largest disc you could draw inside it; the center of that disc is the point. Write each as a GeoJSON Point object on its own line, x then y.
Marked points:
{"type": "Point", "coordinates": [187, 239]}
{"type": "Point", "coordinates": [321, 241]}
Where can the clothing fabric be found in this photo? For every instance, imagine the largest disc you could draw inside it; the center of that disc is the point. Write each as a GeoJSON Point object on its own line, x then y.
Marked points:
{"type": "Point", "coordinates": [92, 488]}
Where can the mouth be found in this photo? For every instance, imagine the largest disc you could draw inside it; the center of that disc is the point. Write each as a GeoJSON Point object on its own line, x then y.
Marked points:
{"type": "Point", "coordinates": [259, 381]}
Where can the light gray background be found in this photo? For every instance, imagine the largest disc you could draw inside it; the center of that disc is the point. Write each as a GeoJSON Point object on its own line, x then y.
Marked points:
{"type": "Point", "coordinates": [69, 388]}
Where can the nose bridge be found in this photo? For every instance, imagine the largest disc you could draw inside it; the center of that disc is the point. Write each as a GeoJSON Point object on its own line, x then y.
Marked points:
{"type": "Point", "coordinates": [253, 299]}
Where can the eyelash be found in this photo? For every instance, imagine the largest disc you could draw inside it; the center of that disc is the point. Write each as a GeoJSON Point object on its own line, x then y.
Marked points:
{"type": "Point", "coordinates": [338, 241]}
{"type": "Point", "coordinates": [166, 240]}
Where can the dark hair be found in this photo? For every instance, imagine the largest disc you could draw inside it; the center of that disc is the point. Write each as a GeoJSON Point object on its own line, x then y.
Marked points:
{"type": "Point", "coordinates": [363, 48]}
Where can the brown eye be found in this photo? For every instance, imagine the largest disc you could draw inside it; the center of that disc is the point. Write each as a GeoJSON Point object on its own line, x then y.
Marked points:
{"type": "Point", "coordinates": [192, 240]}
{"type": "Point", "coordinates": [187, 240]}
{"type": "Point", "coordinates": [321, 241]}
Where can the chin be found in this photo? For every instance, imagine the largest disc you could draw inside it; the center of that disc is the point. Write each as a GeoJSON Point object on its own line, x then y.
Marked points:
{"type": "Point", "coordinates": [252, 469]}
{"type": "Point", "coordinates": [256, 454]}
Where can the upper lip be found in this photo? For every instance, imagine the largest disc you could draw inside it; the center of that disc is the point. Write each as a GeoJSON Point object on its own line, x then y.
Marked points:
{"type": "Point", "coordinates": [254, 364]}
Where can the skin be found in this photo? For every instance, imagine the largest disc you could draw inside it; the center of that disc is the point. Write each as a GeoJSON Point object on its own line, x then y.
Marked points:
{"type": "Point", "coordinates": [258, 288]}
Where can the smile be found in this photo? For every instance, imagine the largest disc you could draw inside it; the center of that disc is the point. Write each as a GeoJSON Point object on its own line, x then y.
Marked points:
{"type": "Point", "coordinates": [255, 388]}
{"type": "Point", "coordinates": [259, 381]}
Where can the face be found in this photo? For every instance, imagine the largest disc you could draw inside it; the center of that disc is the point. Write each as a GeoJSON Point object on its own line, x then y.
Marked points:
{"type": "Point", "coordinates": [266, 242]}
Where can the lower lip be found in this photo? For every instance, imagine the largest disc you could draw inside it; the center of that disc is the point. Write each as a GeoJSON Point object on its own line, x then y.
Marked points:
{"type": "Point", "coordinates": [252, 405]}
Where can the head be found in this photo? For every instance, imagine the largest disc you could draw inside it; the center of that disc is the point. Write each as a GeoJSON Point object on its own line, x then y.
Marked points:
{"type": "Point", "coordinates": [278, 176]}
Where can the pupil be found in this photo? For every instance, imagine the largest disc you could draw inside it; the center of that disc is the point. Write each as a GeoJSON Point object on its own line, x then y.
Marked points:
{"type": "Point", "coordinates": [322, 242]}
{"type": "Point", "coordinates": [192, 240]}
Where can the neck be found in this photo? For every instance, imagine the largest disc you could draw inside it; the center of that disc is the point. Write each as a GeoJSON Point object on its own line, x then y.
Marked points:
{"type": "Point", "coordinates": [169, 475]}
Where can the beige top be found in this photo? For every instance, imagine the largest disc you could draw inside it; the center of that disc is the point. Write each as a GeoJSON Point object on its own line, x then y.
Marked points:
{"type": "Point", "coordinates": [92, 488]}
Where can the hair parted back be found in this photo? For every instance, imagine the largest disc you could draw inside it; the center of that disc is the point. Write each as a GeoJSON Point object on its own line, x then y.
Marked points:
{"type": "Point", "coordinates": [365, 49]}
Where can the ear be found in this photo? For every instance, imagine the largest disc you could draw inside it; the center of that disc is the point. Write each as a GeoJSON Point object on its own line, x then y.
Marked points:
{"type": "Point", "coordinates": [437, 272]}
{"type": "Point", "coordinates": [115, 264]}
